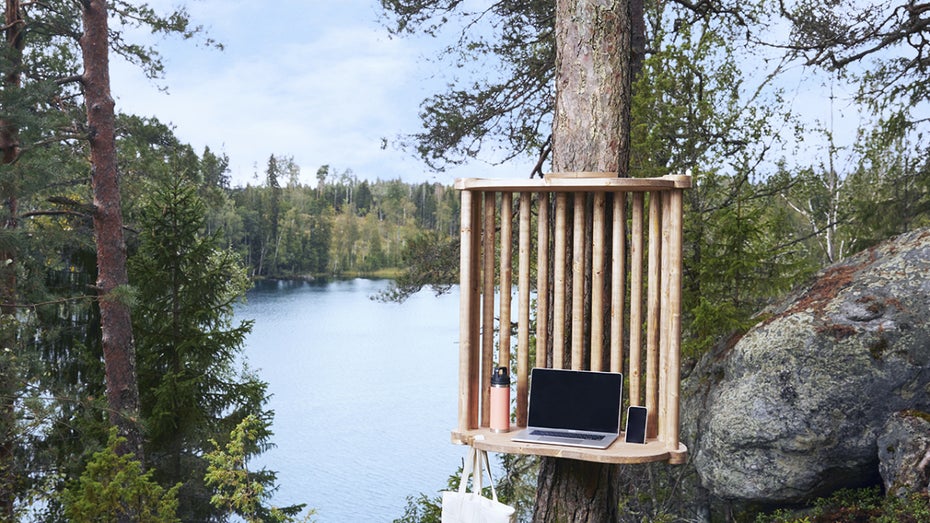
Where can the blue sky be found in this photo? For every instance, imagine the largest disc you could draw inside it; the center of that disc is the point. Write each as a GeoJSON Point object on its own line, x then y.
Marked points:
{"type": "Point", "coordinates": [322, 81]}
{"type": "Point", "coordinates": [318, 80]}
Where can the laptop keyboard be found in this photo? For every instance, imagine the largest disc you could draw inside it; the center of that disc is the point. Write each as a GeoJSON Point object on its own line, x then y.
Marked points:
{"type": "Point", "coordinates": [559, 434]}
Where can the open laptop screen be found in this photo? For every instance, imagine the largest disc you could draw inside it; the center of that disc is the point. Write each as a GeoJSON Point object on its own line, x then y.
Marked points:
{"type": "Point", "coordinates": [579, 400]}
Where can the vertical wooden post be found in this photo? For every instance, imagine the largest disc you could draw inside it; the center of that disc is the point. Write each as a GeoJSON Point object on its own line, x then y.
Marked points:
{"type": "Point", "coordinates": [578, 282]}
{"type": "Point", "coordinates": [674, 318]}
{"type": "Point", "coordinates": [663, 318]}
{"type": "Point", "coordinates": [617, 279]}
{"type": "Point", "coordinates": [468, 312]}
{"type": "Point", "coordinates": [559, 281]}
{"type": "Point", "coordinates": [487, 319]}
{"type": "Point", "coordinates": [636, 302]}
{"type": "Point", "coordinates": [506, 279]}
{"type": "Point", "coordinates": [523, 314]}
{"type": "Point", "coordinates": [542, 280]}
{"type": "Point", "coordinates": [598, 256]}
{"type": "Point", "coordinates": [652, 312]}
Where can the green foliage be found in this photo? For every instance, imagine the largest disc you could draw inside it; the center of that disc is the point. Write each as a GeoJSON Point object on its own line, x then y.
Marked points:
{"type": "Point", "coordinates": [690, 113]}
{"type": "Point", "coordinates": [342, 227]}
{"type": "Point", "coordinates": [114, 487]}
{"type": "Point", "coordinates": [238, 490]}
{"type": "Point", "coordinates": [190, 388]}
{"type": "Point", "coordinates": [516, 487]}
{"type": "Point", "coordinates": [430, 259]}
{"type": "Point", "coordinates": [513, 38]}
{"type": "Point", "coordinates": [857, 505]}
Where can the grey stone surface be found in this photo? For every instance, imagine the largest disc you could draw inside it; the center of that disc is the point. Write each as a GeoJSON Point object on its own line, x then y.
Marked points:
{"type": "Point", "coordinates": [794, 408]}
{"type": "Point", "coordinates": [904, 453]}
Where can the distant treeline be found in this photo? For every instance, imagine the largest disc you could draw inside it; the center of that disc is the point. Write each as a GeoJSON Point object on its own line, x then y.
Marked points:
{"type": "Point", "coordinates": [340, 226]}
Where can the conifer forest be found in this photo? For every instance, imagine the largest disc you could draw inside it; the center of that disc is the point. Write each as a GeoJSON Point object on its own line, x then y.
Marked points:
{"type": "Point", "coordinates": [123, 249]}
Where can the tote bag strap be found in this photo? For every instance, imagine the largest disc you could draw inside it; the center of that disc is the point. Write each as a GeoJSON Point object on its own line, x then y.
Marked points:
{"type": "Point", "coordinates": [483, 456]}
{"type": "Point", "coordinates": [474, 463]}
{"type": "Point", "coordinates": [468, 467]}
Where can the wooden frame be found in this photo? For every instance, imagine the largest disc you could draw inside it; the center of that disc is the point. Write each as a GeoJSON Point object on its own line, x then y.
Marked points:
{"type": "Point", "coordinates": [607, 250]}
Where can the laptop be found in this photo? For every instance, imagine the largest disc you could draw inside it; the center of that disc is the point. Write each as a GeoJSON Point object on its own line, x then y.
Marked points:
{"type": "Point", "coordinates": [573, 407]}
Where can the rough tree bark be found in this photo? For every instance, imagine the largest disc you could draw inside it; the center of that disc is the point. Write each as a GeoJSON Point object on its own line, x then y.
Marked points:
{"type": "Point", "coordinates": [591, 132]}
{"type": "Point", "coordinates": [591, 126]}
{"type": "Point", "coordinates": [116, 325]}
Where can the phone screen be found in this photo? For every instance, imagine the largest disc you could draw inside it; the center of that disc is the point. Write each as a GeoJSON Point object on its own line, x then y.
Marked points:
{"type": "Point", "coordinates": [636, 425]}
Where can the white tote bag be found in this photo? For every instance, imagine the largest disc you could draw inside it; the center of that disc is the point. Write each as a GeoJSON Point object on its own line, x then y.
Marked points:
{"type": "Point", "coordinates": [471, 507]}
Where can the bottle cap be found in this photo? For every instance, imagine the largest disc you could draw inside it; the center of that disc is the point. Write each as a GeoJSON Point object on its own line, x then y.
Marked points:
{"type": "Point", "coordinates": [500, 377]}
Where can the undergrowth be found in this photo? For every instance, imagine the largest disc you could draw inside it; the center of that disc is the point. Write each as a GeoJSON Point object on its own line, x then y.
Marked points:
{"type": "Point", "coordinates": [867, 505]}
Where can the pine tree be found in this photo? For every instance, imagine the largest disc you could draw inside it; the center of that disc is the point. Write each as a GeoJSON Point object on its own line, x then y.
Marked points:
{"type": "Point", "coordinates": [191, 388]}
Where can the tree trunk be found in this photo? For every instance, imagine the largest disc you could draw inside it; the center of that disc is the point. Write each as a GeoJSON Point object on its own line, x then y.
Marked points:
{"type": "Point", "coordinates": [591, 132]}
{"type": "Point", "coordinates": [576, 491]}
{"type": "Point", "coordinates": [591, 127]}
{"type": "Point", "coordinates": [116, 326]}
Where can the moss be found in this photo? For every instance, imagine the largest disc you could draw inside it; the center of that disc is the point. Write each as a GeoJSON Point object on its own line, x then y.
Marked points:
{"type": "Point", "coordinates": [913, 413]}
{"type": "Point", "coordinates": [878, 348]}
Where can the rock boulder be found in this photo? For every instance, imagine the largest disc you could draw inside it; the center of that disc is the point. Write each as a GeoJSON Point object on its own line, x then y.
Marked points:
{"type": "Point", "coordinates": [904, 453]}
{"type": "Point", "coordinates": [793, 409]}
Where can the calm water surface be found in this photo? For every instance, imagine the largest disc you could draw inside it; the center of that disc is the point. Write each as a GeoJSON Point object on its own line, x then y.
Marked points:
{"type": "Point", "coordinates": [364, 394]}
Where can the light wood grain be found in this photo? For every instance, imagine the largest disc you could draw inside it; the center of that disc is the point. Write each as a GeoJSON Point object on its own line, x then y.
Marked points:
{"type": "Point", "coordinates": [542, 281]}
{"type": "Point", "coordinates": [579, 237]}
{"type": "Point", "coordinates": [552, 183]}
{"type": "Point", "coordinates": [488, 253]}
{"type": "Point", "coordinates": [620, 452]}
{"type": "Point", "coordinates": [506, 279]}
{"type": "Point", "coordinates": [647, 274]}
{"type": "Point", "coordinates": [523, 314]}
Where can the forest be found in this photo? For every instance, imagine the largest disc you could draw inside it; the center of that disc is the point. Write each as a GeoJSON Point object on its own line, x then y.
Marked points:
{"type": "Point", "coordinates": [762, 216]}
{"type": "Point", "coordinates": [341, 227]}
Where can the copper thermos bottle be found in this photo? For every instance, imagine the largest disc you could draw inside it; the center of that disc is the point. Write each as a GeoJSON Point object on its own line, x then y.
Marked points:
{"type": "Point", "coordinates": [500, 400]}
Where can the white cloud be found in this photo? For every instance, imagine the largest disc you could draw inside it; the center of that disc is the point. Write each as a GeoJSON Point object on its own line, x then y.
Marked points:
{"type": "Point", "coordinates": [324, 85]}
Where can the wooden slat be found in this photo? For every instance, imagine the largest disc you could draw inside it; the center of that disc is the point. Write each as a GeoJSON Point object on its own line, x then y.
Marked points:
{"type": "Point", "coordinates": [542, 281]}
{"type": "Point", "coordinates": [598, 283]}
{"type": "Point", "coordinates": [523, 314]}
{"type": "Point", "coordinates": [468, 311]}
{"type": "Point", "coordinates": [617, 279]}
{"type": "Point", "coordinates": [663, 318]}
{"type": "Point", "coordinates": [559, 281]}
{"type": "Point", "coordinates": [636, 301]}
{"type": "Point", "coordinates": [506, 279]}
{"type": "Point", "coordinates": [674, 319]}
{"type": "Point", "coordinates": [652, 314]}
{"type": "Point", "coordinates": [555, 183]}
{"type": "Point", "coordinates": [487, 306]}
{"type": "Point", "coordinates": [654, 267]}
{"type": "Point", "coordinates": [578, 282]}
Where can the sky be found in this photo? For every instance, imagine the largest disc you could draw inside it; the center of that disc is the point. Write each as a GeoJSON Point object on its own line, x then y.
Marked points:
{"type": "Point", "coordinates": [321, 81]}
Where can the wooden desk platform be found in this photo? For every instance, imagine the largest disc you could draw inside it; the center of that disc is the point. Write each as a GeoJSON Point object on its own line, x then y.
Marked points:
{"type": "Point", "coordinates": [619, 452]}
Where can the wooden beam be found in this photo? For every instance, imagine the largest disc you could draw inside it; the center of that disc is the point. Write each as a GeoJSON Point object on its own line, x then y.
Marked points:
{"type": "Point", "coordinates": [617, 280]}
{"type": "Point", "coordinates": [636, 301]}
{"type": "Point", "coordinates": [559, 281]}
{"type": "Point", "coordinates": [542, 280]}
{"type": "Point", "coordinates": [579, 238]}
{"type": "Point", "coordinates": [652, 314]}
{"type": "Point", "coordinates": [488, 231]}
{"type": "Point", "coordinates": [506, 280]}
{"type": "Point", "coordinates": [598, 282]}
{"type": "Point", "coordinates": [523, 314]}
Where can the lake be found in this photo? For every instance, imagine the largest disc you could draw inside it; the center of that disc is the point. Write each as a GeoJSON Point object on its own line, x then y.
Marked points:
{"type": "Point", "coordinates": [364, 394]}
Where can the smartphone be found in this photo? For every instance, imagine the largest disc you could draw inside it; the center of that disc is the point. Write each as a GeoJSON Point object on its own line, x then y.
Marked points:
{"type": "Point", "coordinates": [636, 424]}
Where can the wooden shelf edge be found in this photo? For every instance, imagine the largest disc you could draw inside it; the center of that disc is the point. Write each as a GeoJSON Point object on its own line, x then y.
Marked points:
{"type": "Point", "coordinates": [574, 182]}
{"type": "Point", "coordinates": [619, 452]}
